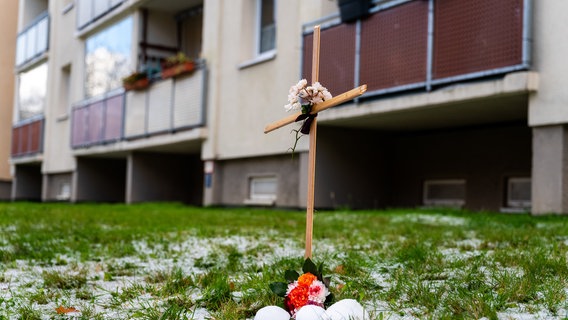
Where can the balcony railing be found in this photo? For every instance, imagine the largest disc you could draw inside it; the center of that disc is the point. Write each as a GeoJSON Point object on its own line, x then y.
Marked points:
{"type": "Point", "coordinates": [27, 138]}
{"type": "Point", "coordinates": [33, 41]}
{"type": "Point", "coordinates": [413, 45]}
{"type": "Point", "coordinates": [98, 121]}
{"type": "Point", "coordinates": [166, 106]}
{"type": "Point", "coordinates": [91, 10]}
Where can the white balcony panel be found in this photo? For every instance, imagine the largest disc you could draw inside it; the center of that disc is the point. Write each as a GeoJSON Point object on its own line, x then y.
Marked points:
{"type": "Point", "coordinates": [84, 12]}
{"type": "Point", "coordinates": [101, 6]}
{"type": "Point", "coordinates": [42, 35]}
{"type": "Point", "coordinates": [115, 2]}
{"type": "Point", "coordinates": [21, 50]}
{"type": "Point", "coordinates": [160, 106]}
{"type": "Point", "coordinates": [135, 117]}
{"type": "Point", "coordinates": [31, 43]}
{"type": "Point", "coordinates": [188, 95]}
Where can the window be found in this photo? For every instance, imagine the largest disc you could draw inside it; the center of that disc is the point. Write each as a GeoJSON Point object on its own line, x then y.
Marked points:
{"type": "Point", "coordinates": [519, 192]}
{"type": "Point", "coordinates": [444, 193]}
{"type": "Point", "coordinates": [108, 58]}
{"type": "Point", "coordinates": [266, 22]}
{"type": "Point", "coordinates": [31, 92]}
{"type": "Point", "coordinates": [262, 190]}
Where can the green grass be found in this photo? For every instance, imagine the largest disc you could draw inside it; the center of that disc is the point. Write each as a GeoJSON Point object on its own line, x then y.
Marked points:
{"type": "Point", "coordinates": [169, 261]}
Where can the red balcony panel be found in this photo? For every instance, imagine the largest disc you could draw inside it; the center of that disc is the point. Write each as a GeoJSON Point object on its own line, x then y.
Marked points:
{"type": "Point", "coordinates": [34, 143]}
{"type": "Point", "coordinates": [27, 139]}
{"type": "Point", "coordinates": [80, 121]}
{"type": "Point", "coordinates": [16, 138]}
{"type": "Point", "coordinates": [394, 46]}
{"type": "Point", "coordinates": [337, 58]}
{"type": "Point", "coordinates": [114, 118]}
{"type": "Point", "coordinates": [95, 122]}
{"type": "Point", "coordinates": [472, 36]}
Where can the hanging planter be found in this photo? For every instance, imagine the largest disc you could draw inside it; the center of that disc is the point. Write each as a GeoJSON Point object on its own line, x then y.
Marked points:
{"type": "Point", "coordinates": [177, 65]}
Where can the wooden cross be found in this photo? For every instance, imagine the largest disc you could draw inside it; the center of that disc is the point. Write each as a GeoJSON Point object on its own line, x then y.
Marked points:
{"type": "Point", "coordinates": [338, 99]}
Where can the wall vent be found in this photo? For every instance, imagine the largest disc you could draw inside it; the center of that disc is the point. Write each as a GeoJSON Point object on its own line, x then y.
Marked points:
{"type": "Point", "coordinates": [450, 193]}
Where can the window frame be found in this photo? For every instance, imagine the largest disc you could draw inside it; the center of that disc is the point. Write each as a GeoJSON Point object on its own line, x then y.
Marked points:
{"type": "Point", "coordinates": [258, 30]}
{"type": "Point", "coordinates": [517, 203]}
{"type": "Point", "coordinates": [254, 198]}
{"type": "Point", "coordinates": [443, 202]}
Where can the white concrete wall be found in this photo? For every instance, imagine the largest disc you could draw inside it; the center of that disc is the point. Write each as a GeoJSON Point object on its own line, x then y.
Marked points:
{"type": "Point", "coordinates": [549, 105]}
{"type": "Point", "coordinates": [65, 60]}
{"type": "Point", "coordinates": [242, 100]}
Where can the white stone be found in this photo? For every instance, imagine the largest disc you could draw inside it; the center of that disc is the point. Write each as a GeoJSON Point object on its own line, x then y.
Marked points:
{"type": "Point", "coordinates": [311, 312]}
{"type": "Point", "coordinates": [347, 309]}
{"type": "Point", "coordinates": [272, 313]}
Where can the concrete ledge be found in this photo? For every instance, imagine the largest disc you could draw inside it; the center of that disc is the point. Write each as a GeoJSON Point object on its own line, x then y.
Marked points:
{"type": "Point", "coordinates": [182, 140]}
{"type": "Point", "coordinates": [512, 84]}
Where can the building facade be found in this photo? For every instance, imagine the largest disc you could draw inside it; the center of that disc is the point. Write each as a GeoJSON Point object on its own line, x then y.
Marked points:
{"type": "Point", "coordinates": [465, 105]}
{"type": "Point", "coordinates": [8, 25]}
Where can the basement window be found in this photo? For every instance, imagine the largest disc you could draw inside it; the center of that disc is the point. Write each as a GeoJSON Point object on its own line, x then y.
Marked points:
{"type": "Point", "coordinates": [519, 192]}
{"type": "Point", "coordinates": [444, 193]}
{"type": "Point", "coordinates": [262, 190]}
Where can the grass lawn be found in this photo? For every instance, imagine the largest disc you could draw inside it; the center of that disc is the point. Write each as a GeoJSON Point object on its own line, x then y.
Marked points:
{"type": "Point", "coordinates": [168, 261]}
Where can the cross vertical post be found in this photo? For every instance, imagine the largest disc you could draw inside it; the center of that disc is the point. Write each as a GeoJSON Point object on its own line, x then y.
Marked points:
{"type": "Point", "coordinates": [312, 152]}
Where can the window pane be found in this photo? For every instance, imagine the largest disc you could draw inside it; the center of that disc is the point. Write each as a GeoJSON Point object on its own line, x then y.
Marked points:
{"type": "Point", "coordinates": [108, 58]}
{"type": "Point", "coordinates": [267, 26]}
{"type": "Point", "coordinates": [31, 92]}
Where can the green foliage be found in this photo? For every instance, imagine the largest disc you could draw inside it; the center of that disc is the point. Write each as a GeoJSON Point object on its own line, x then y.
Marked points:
{"type": "Point", "coordinates": [164, 261]}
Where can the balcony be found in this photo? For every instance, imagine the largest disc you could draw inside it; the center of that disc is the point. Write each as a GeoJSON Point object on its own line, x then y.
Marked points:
{"type": "Point", "coordinates": [166, 106]}
{"type": "Point", "coordinates": [33, 41]}
{"type": "Point", "coordinates": [418, 45]}
{"type": "Point", "coordinates": [89, 11]}
{"type": "Point", "coordinates": [27, 138]}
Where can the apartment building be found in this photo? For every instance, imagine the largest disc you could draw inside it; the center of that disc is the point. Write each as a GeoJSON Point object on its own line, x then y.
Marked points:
{"type": "Point", "coordinates": [465, 105]}
{"type": "Point", "coordinates": [8, 26]}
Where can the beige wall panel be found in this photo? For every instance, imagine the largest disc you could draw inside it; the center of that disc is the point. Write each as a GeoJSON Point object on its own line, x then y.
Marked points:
{"type": "Point", "coordinates": [8, 25]}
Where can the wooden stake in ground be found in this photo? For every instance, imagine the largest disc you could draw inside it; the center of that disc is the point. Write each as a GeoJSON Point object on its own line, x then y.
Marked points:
{"type": "Point", "coordinates": [338, 99]}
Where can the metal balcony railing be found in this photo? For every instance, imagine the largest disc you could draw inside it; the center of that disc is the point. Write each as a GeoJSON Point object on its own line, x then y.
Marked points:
{"type": "Point", "coordinates": [166, 106]}
{"type": "Point", "coordinates": [27, 138]}
{"type": "Point", "coordinates": [98, 121]}
{"type": "Point", "coordinates": [33, 41]}
{"type": "Point", "coordinates": [414, 45]}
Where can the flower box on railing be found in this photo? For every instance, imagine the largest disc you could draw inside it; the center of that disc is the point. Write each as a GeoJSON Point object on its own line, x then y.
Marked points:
{"type": "Point", "coordinates": [177, 70]}
{"type": "Point", "coordinates": [177, 65]}
{"type": "Point", "coordinates": [136, 81]}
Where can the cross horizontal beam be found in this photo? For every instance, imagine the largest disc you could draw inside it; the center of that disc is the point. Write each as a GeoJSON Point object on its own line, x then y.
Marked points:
{"type": "Point", "coordinates": [339, 99]}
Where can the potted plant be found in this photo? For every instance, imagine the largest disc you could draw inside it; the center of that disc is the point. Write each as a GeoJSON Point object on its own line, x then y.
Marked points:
{"type": "Point", "coordinates": [177, 65]}
{"type": "Point", "coordinates": [136, 81]}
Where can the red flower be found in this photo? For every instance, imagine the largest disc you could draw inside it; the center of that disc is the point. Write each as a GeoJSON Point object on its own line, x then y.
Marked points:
{"type": "Point", "coordinates": [296, 299]}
